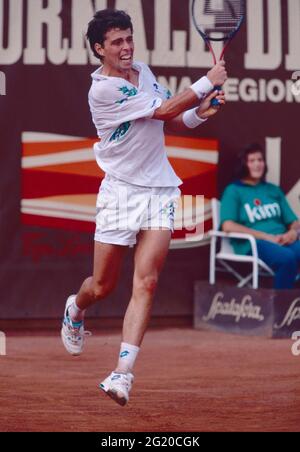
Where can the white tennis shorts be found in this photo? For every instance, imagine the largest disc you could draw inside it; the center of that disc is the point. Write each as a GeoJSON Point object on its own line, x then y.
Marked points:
{"type": "Point", "coordinates": [123, 210]}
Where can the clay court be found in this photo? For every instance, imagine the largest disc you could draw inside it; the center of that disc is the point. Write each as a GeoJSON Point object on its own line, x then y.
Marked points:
{"type": "Point", "coordinates": [186, 380]}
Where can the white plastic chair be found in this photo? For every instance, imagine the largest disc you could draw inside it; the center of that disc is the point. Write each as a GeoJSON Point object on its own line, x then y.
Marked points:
{"type": "Point", "coordinates": [227, 253]}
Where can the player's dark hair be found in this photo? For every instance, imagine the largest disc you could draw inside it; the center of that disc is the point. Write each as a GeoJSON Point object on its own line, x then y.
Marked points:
{"type": "Point", "coordinates": [104, 21]}
{"type": "Point", "coordinates": [242, 170]}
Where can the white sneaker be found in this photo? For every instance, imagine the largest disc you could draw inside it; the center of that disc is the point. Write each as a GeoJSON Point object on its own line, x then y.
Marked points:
{"type": "Point", "coordinates": [72, 334]}
{"type": "Point", "coordinates": [117, 386]}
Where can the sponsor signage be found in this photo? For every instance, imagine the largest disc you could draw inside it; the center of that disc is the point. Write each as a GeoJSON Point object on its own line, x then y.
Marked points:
{"type": "Point", "coordinates": [286, 313]}
{"type": "Point", "coordinates": [60, 183]}
{"type": "Point", "coordinates": [262, 312]}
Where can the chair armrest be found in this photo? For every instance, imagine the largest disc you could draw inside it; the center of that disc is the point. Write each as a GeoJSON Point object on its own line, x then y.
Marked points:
{"type": "Point", "coordinates": [237, 235]}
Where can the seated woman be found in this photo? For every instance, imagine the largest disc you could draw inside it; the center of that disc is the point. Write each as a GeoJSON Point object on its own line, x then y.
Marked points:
{"type": "Point", "coordinates": [253, 206]}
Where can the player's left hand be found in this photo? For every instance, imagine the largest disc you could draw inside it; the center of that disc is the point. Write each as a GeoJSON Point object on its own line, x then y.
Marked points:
{"type": "Point", "coordinates": [206, 110]}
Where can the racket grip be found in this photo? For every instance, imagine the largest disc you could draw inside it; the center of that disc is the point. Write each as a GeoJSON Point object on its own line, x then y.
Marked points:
{"type": "Point", "coordinates": [215, 102]}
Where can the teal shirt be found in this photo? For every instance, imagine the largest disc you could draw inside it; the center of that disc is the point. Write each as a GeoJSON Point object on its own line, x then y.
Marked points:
{"type": "Point", "coordinates": [262, 207]}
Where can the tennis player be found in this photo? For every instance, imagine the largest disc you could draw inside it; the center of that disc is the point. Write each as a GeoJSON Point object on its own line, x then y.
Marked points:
{"type": "Point", "coordinates": [129, 109]}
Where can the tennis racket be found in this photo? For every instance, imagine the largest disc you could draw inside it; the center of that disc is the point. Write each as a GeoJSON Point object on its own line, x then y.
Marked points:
{"type": "Point", "coordinates": [218, 20]}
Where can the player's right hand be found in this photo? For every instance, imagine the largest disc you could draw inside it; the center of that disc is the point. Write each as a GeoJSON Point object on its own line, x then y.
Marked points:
{"type": "Point", "coordinates": [218, 74]}
{"type": "Point", "coordinates": [206, 109]}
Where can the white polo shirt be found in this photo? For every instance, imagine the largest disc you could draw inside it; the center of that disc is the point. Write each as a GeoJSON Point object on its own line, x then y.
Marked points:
{"type": "Point", "coordinates": [132, 146]}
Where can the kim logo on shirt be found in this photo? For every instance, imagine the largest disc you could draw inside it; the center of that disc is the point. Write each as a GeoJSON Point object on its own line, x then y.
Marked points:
{"type": "Point", "coordinates": [262, 211]}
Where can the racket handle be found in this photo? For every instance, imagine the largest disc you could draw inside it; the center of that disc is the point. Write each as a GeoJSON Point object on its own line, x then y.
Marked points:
{"type": "Point", "coordinates": [215, 102]}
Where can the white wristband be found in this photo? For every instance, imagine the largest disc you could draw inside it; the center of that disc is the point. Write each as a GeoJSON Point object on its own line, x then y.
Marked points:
{"type": "Point", "coordinates": [191, 119]}
{"type": "Point", "coordinates": [202, 87]}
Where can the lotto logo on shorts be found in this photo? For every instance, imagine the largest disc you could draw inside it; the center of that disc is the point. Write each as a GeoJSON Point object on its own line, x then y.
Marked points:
{"type": "Point", "coordinates": [2, 344]}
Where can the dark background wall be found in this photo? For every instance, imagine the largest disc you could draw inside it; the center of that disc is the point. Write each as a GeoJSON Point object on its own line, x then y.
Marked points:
{"type": "Point", "coordinates": [46, 91]}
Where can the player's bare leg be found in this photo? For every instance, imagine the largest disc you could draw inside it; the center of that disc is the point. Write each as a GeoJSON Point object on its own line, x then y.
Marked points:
{"type": "Point", "coordinates": [150, 256]}
{"type": "Point", "coordinates": [107, 265]}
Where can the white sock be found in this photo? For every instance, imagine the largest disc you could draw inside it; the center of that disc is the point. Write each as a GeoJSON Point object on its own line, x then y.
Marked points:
{"type": "Point", "coordinates": [127, 357]}
{"type": "Point", "coordinates": [76, 314]}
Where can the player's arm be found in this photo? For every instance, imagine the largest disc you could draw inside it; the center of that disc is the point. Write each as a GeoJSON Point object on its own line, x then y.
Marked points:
{"type": "Point", "coordinates": [182, 102]}
{"type": "Point", "coordinates": [194, 118]}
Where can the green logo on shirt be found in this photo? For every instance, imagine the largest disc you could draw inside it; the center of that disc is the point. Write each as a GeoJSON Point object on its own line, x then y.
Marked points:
{"type": "Point", "coordinates": [168, 94]}
{"type": "Point", "coordinates": [128, 92]}
{"type": "Point", "coordinates": [121, 131]}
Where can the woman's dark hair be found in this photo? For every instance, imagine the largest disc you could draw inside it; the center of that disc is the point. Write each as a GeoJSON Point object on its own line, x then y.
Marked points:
{"type": "Point", "coordinates": [242, 170]}
{"type": "Point", "coordinates": [103, 21]}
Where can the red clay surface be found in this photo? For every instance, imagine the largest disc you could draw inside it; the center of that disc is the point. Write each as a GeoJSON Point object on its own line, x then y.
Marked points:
{"type": "Point", "coordinates": [186, 380]}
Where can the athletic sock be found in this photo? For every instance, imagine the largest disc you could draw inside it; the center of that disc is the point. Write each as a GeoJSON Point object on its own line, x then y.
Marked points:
{"type": "Point", "coordinates": [127, 357]}
{"type": "Point", "coordinates": [76, 314]}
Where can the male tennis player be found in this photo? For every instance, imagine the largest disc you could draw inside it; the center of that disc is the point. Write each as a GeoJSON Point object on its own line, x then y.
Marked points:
{"type": "Point", "coordinates": [129, 109]}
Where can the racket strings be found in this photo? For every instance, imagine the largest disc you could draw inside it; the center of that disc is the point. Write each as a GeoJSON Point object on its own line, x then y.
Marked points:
{"type": "Point", "coordinates": [218, 16]}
